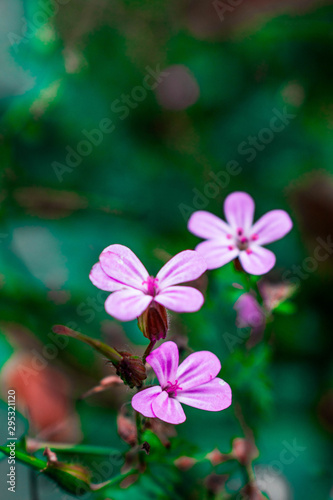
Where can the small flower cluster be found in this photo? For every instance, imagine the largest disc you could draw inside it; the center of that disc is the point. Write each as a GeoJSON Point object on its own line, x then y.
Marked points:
{"type": "Point", "coordinates": [137, 294]}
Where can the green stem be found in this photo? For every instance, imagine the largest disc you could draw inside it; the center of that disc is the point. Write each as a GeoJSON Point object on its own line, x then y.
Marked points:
{"type": "Point", "coordinates": [250, 284]}
{"type": "Point", "coordinates": [254, 285]}
{"type": "Point", "coordinates": [138, 422]}
{"type": "Point", "coordinates": [33, 462]}
{"type": "Point", "coordinates": [99, 346]}
{"type": "Point", "coordinates": [35, 445]}
{"type": "Point", "coordinates": [113, 481]}
{"type": "Point", "coordinates": [250, 474]}
{"type": "Point", "coordinates": [138, 427]}
{"type": "Point", "coordinates": [40, 465]}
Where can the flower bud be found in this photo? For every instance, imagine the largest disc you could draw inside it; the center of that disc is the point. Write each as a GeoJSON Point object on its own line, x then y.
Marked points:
{"type": "Point", "coordinates": [216, 457]}
{"type": "Point", "coordinates": [185, 463]}
{"type": "Point", "coordinates": [275, 294]}
{"type": "Point", "coordinates": [153, 322]}
{"type": "Point", "coordinates": [131, 369]}
{"type": "Point", "coordinates": [127, 429]}
{"type": "Point", "coordinates": [249, 312]}
{"type": "Point", "coordinates": [73, 478]}
{"type": "Point", "coordinates": [244, 450]}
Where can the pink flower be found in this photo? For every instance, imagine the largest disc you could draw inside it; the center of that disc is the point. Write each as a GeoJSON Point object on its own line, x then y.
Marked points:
{"type": "Point", "coordinates": [239, 237]}
{"type": "Point", "coordinates": [120, 271]}
{"type": "Point", "coordinates": [249, 312]}
{"type": "Point", "coordinates": [193, 383]}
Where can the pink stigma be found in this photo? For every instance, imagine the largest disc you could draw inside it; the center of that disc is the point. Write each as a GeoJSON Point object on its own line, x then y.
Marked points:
{"type": "Point", "coordinates": [152, 286]}
{"type": "Point", "coordinates": [244, 240]}
{"type": "Point", "coordinates": [172, 388]}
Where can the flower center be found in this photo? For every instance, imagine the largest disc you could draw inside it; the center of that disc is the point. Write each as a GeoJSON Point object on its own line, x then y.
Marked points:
{"type": "Point", "coordinates": [152, 286]}
{"type": "Point", "coordinates": [172, 388]}
{"type": "Point", "coordinates": [241, 241]}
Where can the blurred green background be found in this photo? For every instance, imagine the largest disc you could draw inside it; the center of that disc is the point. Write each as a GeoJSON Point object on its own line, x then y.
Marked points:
{"type": "Point", "coordinates": [74, 71]}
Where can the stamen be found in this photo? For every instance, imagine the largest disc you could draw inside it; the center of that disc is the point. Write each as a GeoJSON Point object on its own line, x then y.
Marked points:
{"type": "Point", "coordinates": [230, 247]}
{"type": "Point", "coordinates": [229, 236]}
{"type": "Point", "coordinates": [172, 388]}
{"type": "Point", "coordinates": [239, 231]}
{"type": "Point", "coordinates": [254, 237]}
{"type": "Point", "coordinates": [244, 240]}
{"type": "Point", "coordinates": [249, 251]}
{"type": "Point", "coordinates": [152, 287]}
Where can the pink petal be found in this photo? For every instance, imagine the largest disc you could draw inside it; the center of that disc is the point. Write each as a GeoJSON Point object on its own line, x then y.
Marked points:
{"type": "Point", "coordinates": [239, 210]}
{"type": "Point", "coordinates": [168, 409]}
{"type": "Point", "coordinates": [142, 401]}
{"type": "Point", "coordinates": [127, 304]}
{"type": "Point", "coordinates": [164, 361]}
{"type": "Point", "coordinates": [206, 225]}
{"type": "Point", "coordinates": [259, 261]}
{"type": "Point", "coordinates": [180, 299]}
{"type": "Point", "coordinates": [98, 278]}
{"type": "Point", "coordinates": [212, 396]}
{"type": "Point", "coordinates": [183, 267]}
{"type": "Point", "coordinates": [216, 253]}
{"type": "Point", "coordinates": [121, 264]}
{"type": "Point", "coordinates": [249, 312]}
{"type": "Point", "coordinates": [198, 368]}
{"type": "Point", "coordinates": [272, 226]}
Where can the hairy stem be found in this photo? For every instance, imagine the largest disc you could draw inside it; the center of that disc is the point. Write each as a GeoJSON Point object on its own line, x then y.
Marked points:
{"type": "Point", "coordinates": [148, 350]}
{"type": "Point", "coordinates": [139, 430]}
